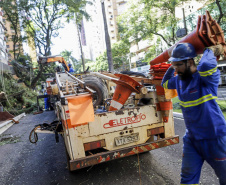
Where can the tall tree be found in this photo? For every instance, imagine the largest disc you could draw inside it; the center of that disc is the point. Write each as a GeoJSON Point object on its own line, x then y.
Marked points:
{"type": "Point", "coordinates": [151, 20]}
{"type": "Point", "coordinates": [67, 55]}
{"type": "Point", "coordinates": [77, 13]}
{"type": "Point", "coordinates": [120, 51]}
{"type": "Point", "coordinates": [70, 59]}
{"type": "Point", "coordinates": [42, 20]}
{"type": "Point", "coordinates": [146, 18]}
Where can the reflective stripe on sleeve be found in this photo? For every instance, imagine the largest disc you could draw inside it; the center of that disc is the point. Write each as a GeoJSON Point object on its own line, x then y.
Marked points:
{"type": "Point", "coordinates": [208, 73]}
{"type": "Point", "coordinates": [165, 85]}
{"type": "Point", "coordinates": [198, 101]}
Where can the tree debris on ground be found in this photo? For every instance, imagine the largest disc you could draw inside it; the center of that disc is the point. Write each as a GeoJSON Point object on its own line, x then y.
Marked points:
{"type": "Point", "coordinates": [15, 97]}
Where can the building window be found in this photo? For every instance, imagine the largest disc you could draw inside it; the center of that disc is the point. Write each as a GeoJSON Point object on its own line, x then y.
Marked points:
{"type": "Point", "coordinates": [2, 54]}
{"type": "Point", "coordinates": [7, 46]}
{"type": "Point", "coordinates": [1, 41]}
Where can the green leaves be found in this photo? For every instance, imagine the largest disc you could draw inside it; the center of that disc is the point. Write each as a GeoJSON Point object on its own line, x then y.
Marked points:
{"type": "Point", "coordinates": [120, 52]}
{"type": "Point", "coordinates": [151, 20]}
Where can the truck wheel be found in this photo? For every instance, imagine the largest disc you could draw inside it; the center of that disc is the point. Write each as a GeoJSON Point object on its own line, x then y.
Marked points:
{"type": "Point", "coordinates": [132, 73]}
{"type": "Point", "coordinates": [97, 85]}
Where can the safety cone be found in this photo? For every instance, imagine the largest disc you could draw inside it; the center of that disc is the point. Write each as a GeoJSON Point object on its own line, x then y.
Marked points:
{"type": "Point", "coordinates": [207, 33]}
{"type": "Point", "coordinates": [125, 86]}
{"type": "Point", "coordinates": [165, 109]}
{"type": "Point", "coordinates": [164, 105]}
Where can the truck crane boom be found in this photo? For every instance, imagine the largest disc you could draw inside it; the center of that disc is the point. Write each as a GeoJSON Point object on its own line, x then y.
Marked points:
{"type": "Point", "coordinates": [48, 59]}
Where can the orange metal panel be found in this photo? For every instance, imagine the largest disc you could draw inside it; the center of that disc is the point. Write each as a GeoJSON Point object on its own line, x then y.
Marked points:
{"type": "Point", "coordinates": [80, 109]}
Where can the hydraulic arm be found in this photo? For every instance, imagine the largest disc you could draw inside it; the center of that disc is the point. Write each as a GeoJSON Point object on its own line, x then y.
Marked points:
{"type": "Point", "coordinates": [48, 59]}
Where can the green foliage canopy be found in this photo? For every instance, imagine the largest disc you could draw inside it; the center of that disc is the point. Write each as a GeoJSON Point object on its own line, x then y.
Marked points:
{"type": "Point", "coordinates": [120, 51]}
{"type": "Point", "coordinates": [41, 20]}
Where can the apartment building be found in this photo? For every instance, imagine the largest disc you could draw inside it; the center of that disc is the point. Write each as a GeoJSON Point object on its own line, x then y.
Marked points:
{"type": "Point", "coordinates": [93, 31]}
{"type": "Point", "coordinates": [3, 47]}
{"type": "Point", "coordinates": [9, 33]}
{"type": "Point", "coordinates": [9, 43]}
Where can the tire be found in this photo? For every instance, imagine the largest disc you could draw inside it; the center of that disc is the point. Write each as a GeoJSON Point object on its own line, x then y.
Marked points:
{"type": "Point", "coordinates": [132, 73]}
{"type": "Point", "coordinates": [97, 85]}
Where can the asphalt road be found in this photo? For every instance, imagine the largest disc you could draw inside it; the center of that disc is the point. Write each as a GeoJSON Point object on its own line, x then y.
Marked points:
{"type": "Point", "coordinates": [45, 163]}
{"type": "Point", "coordinates": [221, 93]}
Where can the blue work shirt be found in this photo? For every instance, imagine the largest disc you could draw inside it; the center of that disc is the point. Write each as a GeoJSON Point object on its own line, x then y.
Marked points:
{"type": "Point", "coordinates": [202, 115]}
{"type": "Point", "coordinates": [71, 70]}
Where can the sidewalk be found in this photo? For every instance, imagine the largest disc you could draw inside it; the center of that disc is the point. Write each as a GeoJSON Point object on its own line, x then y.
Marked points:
{"type": "Point", "coordinates": [4, 125]}
{"type": "Point", "coordinates": [178, 115]}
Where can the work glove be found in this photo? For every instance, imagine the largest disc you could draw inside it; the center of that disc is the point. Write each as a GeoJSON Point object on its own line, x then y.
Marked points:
{"type": "Point", "coordinates": [217, 49]}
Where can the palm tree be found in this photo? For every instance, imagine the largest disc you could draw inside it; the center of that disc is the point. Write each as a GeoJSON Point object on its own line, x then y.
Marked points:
{"type": "Point", "coordinates": [67, 55]}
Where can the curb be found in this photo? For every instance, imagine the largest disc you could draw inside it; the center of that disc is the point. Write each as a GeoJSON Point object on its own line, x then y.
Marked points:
{"type": "Point", "coordinates": [7, 124]}
{"type": "Point", "coordinates": [178, 115]}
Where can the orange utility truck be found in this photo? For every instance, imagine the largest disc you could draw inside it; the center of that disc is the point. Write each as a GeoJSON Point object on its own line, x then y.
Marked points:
{"type": "Point", "coordinates": [135, 119]}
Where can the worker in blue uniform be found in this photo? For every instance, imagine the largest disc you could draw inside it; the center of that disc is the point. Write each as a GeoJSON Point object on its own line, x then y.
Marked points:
{"type": "Point", "coordinates": [46, 102]}
{"type": "Point", "coordinates": [205, 137]}
{"type": "Point", "coordinates": [71, 70]}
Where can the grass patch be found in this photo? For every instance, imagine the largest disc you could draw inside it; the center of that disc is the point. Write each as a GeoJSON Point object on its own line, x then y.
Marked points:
{"type": "Point", "coordinates": [176, 106]}
{"type": "Point", "coordinates": [222, 104]}
{"type": "Point", "coordinates": [8, 139]}
{"type": "Point", "coordinates": [175, 100]}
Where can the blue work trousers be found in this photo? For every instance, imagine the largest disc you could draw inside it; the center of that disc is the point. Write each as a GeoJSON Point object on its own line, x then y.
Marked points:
{"type": "Point", "coordinates": [195, 152]}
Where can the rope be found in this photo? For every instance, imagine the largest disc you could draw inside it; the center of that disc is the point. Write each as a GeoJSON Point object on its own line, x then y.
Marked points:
{"type": "Point", "coordinates": [34, 140]}
{"type": "Point", "coordinates": [45, 126]}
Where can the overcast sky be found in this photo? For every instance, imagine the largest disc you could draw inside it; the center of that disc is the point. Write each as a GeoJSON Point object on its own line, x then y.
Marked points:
{"type": "Point", "coordinates": [67, 40]}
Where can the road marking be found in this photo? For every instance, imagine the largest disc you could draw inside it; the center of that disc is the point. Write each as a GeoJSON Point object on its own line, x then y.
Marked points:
{"type": "Point", "coordinates": [178, 118]}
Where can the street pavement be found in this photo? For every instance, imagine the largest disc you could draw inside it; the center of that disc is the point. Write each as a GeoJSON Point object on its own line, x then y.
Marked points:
{"type": "Point", "coordinates": [44, 163]}
{"type": "Point", "coordinates": [221, 93]}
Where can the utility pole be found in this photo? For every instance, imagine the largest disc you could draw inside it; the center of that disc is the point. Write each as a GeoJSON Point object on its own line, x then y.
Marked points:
{"type": "Point", "coordinates": [185, 26]}
{"type": "Point", "coordinates": [107, 39]}
{"type": "Point", "coordinates": [80, 44]}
